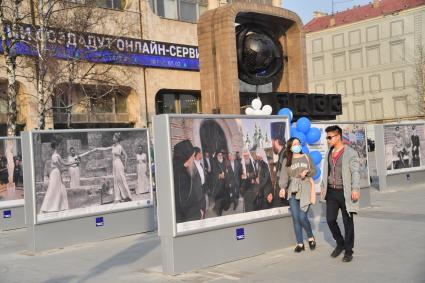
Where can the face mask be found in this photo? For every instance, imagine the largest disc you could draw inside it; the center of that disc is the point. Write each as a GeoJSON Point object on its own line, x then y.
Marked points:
{"type": "Point", "coordinates": [296, 148]}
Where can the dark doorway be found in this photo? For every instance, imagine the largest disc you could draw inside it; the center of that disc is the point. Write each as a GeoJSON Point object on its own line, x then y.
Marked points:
{"type": "Point", "coordinates": [212, 137]}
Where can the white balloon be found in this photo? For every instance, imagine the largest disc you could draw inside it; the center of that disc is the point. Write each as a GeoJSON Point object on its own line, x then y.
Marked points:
{"type": "Point", "coordinates": [256, 104]}
{"type": "Point", "coordinates": [267, 109]}
{"type": "Point", "coordinates": [249, 111]}
{"type": "Point", "coordinates": [258, 112]}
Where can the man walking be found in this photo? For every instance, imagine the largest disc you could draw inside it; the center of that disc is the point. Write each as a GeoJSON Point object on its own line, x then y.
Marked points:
{"type": "Point", "coordinates": [341, 189]}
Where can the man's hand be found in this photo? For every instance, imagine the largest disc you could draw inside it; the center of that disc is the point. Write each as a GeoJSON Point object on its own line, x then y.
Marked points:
{"type": "Point", "coordinates": [282, 193]}
{"type": "Point", "coordinates": [270, 198]}
{"type": "Point", "coordinates": [355, 195]}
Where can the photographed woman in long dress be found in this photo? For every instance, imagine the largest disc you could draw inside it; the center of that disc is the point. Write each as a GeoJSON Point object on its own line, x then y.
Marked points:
{"type": "Point", "coordinates": [142, 172]}
{"type": "Point", "coordinates": [56, 198]}
{"type": "Point", "coordinates": [121, 190]}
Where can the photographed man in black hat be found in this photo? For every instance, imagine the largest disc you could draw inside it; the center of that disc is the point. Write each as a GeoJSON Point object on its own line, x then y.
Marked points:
{"type": "Point", "coordinates": [278, 146]}
{"type": "Point", "coordinates": [220, 193]}
{"type": "Point", "coordinates": [187, 184]}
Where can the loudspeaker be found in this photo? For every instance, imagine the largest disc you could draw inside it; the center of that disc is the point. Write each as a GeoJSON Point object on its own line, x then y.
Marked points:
{"type": "Point", "coordinates": [319, 103]}
{"type": "Point", "coordinates": [335, 104]}
{"type": "Point", "coordinates": [301, 104]}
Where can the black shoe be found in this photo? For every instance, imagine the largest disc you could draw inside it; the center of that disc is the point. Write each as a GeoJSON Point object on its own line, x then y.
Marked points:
{"type": "Point", "coordinates": [347, 258]}
{"type": "Point", "coordinates": [337, 251]}
{"type": "Point", "coordinates": [235, 204]}
{"type": "Point", "coordinates": [312, 244]}
{"type": "Point", "coordinates": [299, 248]}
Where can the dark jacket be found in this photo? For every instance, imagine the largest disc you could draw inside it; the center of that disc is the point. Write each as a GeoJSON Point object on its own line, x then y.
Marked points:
{"type": "Point", "coordinates": [188, 194]}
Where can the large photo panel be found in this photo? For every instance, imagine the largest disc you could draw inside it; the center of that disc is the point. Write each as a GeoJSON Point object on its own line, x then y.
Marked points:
{"type": "Point", "coordinates": [11, 172]}
{"type": "Point", "coordinates": [224, 169]}
{"type": "Point", "coordinates": [404, 150]}
{"type": "Point", "coordinates": [90, 171]}
{"type": "Point", "coordinates": [353, 135]}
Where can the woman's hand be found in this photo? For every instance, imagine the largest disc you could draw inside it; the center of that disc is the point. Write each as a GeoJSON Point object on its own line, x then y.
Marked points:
{"type": "Point", "coordinates": [304, 173]}
{"type": "Point", "coordinates": [313, 196]}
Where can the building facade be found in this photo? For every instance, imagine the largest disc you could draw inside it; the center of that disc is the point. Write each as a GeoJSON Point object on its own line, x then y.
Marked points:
{"type": "Point", "coordinates": [368, 55]}
{"type": "Point", "coordinates": [164, 78]}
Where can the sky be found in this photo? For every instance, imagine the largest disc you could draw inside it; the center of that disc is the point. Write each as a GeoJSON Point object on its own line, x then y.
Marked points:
{"type": "Point", "coordinates": [305, 8]}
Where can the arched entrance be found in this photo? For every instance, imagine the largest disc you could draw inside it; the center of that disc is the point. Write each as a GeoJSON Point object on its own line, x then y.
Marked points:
{"type": "Point", "coordinates": [212, 137]}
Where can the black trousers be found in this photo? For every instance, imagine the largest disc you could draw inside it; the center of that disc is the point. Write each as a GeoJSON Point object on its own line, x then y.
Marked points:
{"type": "Point", "coordinates": [335, 201]}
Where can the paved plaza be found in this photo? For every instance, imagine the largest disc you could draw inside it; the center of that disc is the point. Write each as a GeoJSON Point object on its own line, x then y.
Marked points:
{"type": "Point", "coordinates": [389, 247]}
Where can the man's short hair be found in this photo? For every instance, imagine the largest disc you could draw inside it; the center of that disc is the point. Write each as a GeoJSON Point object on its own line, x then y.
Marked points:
{"type": "Point", "coordinates": [334, 128]}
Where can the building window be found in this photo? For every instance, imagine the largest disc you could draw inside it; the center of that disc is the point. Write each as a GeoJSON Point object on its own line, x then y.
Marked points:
{"type": "Point", "coordinates": [400, 106]}
{"type": "Point", "coordinates": [398, 80]}
{"type": "Point", "coordinates": [360, 110]}
{"type": "Point", "coordinates": [372, 33]}
{"type": "Point", "coordinates": [340, 87]}
{"type": "Point", "coordinates": [355, 37]}
{"type": "Point", "coordinates": [183, 10]}
{"type": "Point", "coordinates": [356, 59]}
{"type": "Point", "coordinates": [318, 66]}
{"type": "Point", "coordinates": [168, 101]}
{"type": "Point", "coordinates": [377, 109]}
{"type": "Point", "coordinates": [339, 62]}
{"type": "Point", "coordinates": [317, 45]}
{"type": "Point", "coordinates": [373, 55]}
{"type": "Point", "coordinates": [110, 4]}
{"type": "Point", "coordinates": [358, 86]}
{"type": "Point", "coordinates": [338, 41]}
{"type": "Point", "coordinates": [397, 51]}
{"type": "Point", "coordinates": [397, 28]}
{"type": "Point", "coordinates": [81, 99]}
{"type": "Point", "coordinates": [375, 83]}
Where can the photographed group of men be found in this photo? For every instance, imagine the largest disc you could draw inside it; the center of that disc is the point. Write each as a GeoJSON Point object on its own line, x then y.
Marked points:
{"type": "Point", "coordinates": [219, 181]}
{"type": "Point", "coordinates": [406, 150]}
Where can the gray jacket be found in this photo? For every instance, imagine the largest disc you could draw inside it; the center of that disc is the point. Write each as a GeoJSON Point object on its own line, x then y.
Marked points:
{"type": "Point", "coordinates": [301, 186]}
{"type": "Point", "coordinates": [350, 178]}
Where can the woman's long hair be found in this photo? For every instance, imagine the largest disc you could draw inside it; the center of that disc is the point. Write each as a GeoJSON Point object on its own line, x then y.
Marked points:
{"type": "Point", "coordinates": [288, 151]}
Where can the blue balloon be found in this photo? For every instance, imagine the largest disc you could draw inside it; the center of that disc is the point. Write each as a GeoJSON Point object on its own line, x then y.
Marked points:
{"type": "Point", "coordinates": [286, 112]}
{"type": "Point", "coordinates": [313, 135]}
{"type": "Point", "coordinates": [318, 173]}
{"type": "Point", "coordinates": [303, 125]}
{"type": "Point", "coordinates": [305, 149]}
{"type": "Point", "coordinates": [292, 131]}
{"type": "Point", "coordinates": [316, 156]}
{"type": "Point", "coordinates": [300, 136]}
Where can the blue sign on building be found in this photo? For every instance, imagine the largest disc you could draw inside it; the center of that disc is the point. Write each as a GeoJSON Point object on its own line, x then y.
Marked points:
{"type": "Point", "coordinates": [99, 221]}
{"type": "Point", "coordinates": [99, 48]}
{"type": "Point", "coordinates": [240, 234]}
{"type": "Point", "coordinates": [7, 214]}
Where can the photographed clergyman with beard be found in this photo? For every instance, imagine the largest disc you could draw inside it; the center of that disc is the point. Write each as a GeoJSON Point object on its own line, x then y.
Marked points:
{"type": "Point", "coordinates": [278, 146]}
{"type": "Point", "coordinates": [221, 194]}
{"type": "Point", "coordinates": [187, 184]}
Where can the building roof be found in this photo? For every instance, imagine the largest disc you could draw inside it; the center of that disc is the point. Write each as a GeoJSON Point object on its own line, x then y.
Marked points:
{"type": "Point", "coordinates": [360, 13]}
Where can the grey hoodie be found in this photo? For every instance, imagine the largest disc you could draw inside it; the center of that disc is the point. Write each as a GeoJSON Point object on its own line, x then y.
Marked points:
{"type": "Point", "coordinates": [350, 178]}
{"type": "Point", "coordinates": [290, 181]}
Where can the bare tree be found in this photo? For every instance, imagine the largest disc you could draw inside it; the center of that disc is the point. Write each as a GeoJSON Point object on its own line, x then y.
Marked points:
{"type": "Point", "coordinates": [58, 69]}
{"type": "Point", "coordinates": [420, 79]}
{"type": "Point", "coordinates": [10, 17]}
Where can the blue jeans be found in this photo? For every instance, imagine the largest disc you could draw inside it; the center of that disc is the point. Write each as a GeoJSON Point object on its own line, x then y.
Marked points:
{"type": "Point", "coordinates": [300, 220]}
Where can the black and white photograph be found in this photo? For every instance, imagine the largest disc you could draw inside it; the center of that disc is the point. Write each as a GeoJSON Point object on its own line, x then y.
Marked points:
{"type": "Point", "coordinates": [404, 147]}
{"type": "Point", "coordinates": [224, 169]}
{"type": "Point", "coordinates": [11, 172]}
{"type": "Point", "coordinates": [81, 172]}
